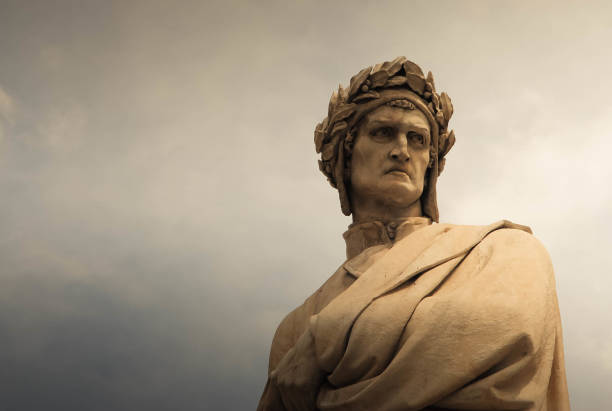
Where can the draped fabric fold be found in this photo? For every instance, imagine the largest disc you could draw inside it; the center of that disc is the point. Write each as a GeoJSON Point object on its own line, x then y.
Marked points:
{"type": "Point", "coordinates": [448, 317]}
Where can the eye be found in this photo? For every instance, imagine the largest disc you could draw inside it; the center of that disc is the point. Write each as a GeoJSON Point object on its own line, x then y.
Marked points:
{"type": "Point", "coordinates": [383, 132]}
{"type": "Point", "coordinates": [416, 138]}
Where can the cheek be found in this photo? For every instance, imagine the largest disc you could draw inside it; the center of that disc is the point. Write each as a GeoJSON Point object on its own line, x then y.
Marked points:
{"type": "Point", "coordinates": [361, 159]}
{"type": "Point", "coordinates": [366, 166]}
{"type": "Point", "coordinates": [358, 165]}
{"type": "Point", "coordinates": [421, 161]}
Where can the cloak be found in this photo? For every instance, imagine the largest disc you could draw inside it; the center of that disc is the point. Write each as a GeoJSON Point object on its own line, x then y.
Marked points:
{"type": "Point", "coordinates": [426, 317]}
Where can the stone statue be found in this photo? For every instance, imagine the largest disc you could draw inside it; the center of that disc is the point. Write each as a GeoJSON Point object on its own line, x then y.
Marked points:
{"type": "Point", "coordinates": [422, 315]}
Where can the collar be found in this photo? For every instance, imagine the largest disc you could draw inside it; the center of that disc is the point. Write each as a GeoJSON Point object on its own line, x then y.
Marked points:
{"type": "Point", "coordinates": [364, 240]}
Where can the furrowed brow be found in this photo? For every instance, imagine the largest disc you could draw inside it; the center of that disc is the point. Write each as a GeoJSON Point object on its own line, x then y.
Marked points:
{"type": "Point", "coordinates": [382, 122]}
{"type": "Point", "coordinates": [420, 130]}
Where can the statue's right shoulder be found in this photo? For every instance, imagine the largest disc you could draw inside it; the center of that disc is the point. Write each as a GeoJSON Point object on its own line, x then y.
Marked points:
{"type": "Point", "coordinates": [295, 323]}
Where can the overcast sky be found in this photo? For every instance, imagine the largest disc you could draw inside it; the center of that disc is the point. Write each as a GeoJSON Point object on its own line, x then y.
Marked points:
{"type": "Point", "coordinates": [161, 206]}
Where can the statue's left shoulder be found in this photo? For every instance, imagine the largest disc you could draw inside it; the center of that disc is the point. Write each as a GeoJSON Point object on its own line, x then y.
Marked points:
{"type": "Point", "coordinates": [503, 236]}
{"type": "Point", "coordinates": [516, 240]}
{"type": "Point", "coordinates": [504, 250]}
{"type": "Point", "coordinates": [517, 254]}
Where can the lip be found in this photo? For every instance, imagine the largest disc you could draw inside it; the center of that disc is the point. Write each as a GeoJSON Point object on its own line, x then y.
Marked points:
{"type": "Point", "coordinates": [397, 170]}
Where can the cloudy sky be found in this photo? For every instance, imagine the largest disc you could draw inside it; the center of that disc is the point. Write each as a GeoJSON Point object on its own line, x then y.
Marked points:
{"type": "Point", "coordinates": [161, 207]}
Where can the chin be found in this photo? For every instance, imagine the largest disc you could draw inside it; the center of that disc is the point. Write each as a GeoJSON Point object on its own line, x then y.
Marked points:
{"type": "Point", "coordinates": [402, 195]}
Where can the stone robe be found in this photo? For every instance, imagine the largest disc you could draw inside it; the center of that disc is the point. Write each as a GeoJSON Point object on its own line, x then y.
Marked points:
{"type": "Point", "coordinates": [426, 317]}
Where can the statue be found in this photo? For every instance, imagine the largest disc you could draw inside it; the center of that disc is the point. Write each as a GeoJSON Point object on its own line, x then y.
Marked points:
{"type": "Point", "coordinates": [422, 315]}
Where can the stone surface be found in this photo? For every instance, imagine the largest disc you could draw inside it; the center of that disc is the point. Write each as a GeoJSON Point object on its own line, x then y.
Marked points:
{"type": "Point", "coordinates": [422, 315]}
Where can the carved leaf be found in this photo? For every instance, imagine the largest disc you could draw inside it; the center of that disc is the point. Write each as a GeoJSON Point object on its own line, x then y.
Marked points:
{"type": "Point", "coordinates": [440, 119]}
{"type": "Point", "coordinates": [447, 106]}
{"type": "Point", "coordinates": [416, 83]}
{"type": "Point", "coordinates": [450, 142]}
{"type": "Point", "coordinates": [357, 80]}
{"type": "Point", "coordinates": [339, 126]}
{"type": "Point", "coordinates": [325, 123]}
{"type": "Point", "coordinates": [435, 99]}
{"type": "Point", "coordinates": [329, 150]}
{"type": "Point", "coordinates": [342, 93]}
{"type": "Point", "coordinates": [430, 80]}
{"type": "Point", "coordinates": [333, 102]}
{"type": "Point", "coordinates": [366, 96]}
{"type": "Point", "coordinates": [376, 68]}
{"type": "Point", "coordinates": [342, 112]}
{"type": "Point", "coordinates": [328, 168]}
{"type": "Point", "coordinates": [379, 78]}
{"type": "Point", "coordinates": [392, 67]}
{"type": "Point", "coordinates": [318, 137]}
{"type": "Point", "coordinates": [395, 81]}
{"type": "Point", "coordinates": [412, 68]}
{"type": "Point", "coordinates": [321, 166]}
{"type": "Point", "coordinates": [442, 142]}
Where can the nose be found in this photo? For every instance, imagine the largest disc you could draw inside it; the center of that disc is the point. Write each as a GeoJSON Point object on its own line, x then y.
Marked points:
{"type": "Point", "coordinates": [399, 152]}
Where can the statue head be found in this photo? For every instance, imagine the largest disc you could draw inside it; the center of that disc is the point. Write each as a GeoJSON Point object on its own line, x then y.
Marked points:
{"type": "Point", "coordinates": [386, 135]}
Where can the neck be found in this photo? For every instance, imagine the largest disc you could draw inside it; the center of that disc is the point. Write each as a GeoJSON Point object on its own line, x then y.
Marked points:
{"type": "Point", "coordinates": [364, 211]}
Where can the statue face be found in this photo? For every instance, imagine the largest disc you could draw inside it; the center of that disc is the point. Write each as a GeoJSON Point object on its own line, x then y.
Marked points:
{"type": "Point", "coordinates": [390, 157]}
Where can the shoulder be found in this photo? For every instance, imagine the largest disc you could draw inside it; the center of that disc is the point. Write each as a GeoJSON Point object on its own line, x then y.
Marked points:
{"type": "Point", "coordinates": [515, 255]}
{"type": "Point", "coordinates": [295, 323]}
{"type": "Point", "coordinates": [515, 242]}
{"type": "Point", "coordinates": [508, 248]}
{"type": "Point", "coordinates": [509, 271]}
{"type": "Point", "coordinates": [501, 236]}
